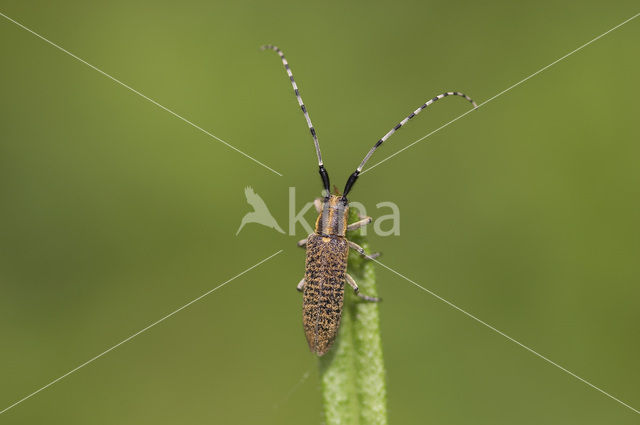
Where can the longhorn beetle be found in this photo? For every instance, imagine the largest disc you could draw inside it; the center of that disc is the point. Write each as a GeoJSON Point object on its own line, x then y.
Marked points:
{"type": "Point", "coordinates": [327, 247]}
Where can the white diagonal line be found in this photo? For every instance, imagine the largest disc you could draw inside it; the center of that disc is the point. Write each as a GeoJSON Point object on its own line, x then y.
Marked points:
{"type": "Point", "coordinates": [506, 336]}
{"type": "Point", "coordinates": [504, 91]}
{"type": "Point", "coordinates": [301, 381]}
{"type": "Point", "coordinates": [139, 94]}
{"type": "Point", "coordinates": [138, 333]}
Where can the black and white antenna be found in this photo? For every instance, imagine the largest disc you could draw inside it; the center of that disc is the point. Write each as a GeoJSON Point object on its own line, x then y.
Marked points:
{"type": "Point", "coordinates": [321, 169]}
{"type": "Point", "coordinates": [353, 177]}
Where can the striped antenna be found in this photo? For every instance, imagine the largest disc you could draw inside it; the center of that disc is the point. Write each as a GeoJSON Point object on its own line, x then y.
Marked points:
{"type": "Point", "coordinates": [322, 170]}
{"type": "Point", "coordinates": [354, 176]}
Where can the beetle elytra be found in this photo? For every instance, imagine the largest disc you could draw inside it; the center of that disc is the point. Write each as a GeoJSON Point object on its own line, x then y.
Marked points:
{"type": "Point", "coordinates": [327, 247]}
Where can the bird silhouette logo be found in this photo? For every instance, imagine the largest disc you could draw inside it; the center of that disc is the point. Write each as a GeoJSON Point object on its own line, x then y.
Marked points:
{"type": "Point", "coordinates": [260, 213]}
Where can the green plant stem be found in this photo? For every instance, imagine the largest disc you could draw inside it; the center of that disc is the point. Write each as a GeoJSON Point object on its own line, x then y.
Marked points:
{"type": "Point", "coordinates": [352, 374]}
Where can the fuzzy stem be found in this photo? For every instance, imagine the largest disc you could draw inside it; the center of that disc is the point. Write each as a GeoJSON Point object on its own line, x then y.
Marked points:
{"type": "Point", "coordinates": [352, 373]}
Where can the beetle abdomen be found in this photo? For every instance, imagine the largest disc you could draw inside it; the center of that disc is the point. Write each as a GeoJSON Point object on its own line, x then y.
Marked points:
{"type": "Point", "coordinates": [326, 268]}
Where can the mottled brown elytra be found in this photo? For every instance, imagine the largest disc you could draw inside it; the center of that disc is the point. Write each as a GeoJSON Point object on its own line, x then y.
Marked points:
{"type": "Point", "coordinates": [326, 272]}
{"type": "Point", "coordinates": [327, 247]}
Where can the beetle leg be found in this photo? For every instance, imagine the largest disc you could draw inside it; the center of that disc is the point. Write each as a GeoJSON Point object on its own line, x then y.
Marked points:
{"type": "Point", "coordinates": [360, 250]}
{"type": "Point", "coordinates": [358, 224]}
{"type": "Point", "coordinates": [300, 285]}
{"type": "Point", "coordinates": [318, 204]}
{"type": "Point", "coordinates": [354, 285]}
{"type": "Point", "coordinates": [303, 242]}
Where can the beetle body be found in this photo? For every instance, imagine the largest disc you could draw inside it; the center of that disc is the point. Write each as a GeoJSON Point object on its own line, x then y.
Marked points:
{"type": "Point", "coordinates": [325, 275]}
{"type": "Point", "coordinates": [328, 248]}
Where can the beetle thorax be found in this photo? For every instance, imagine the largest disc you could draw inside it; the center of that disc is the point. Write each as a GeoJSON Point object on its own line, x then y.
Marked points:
{"type": "Point", "coordinates": [332, 221]}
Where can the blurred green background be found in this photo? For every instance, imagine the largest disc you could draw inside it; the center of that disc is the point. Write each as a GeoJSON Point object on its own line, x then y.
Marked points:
{"type": "Point", "coordinates": [115, 213]}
